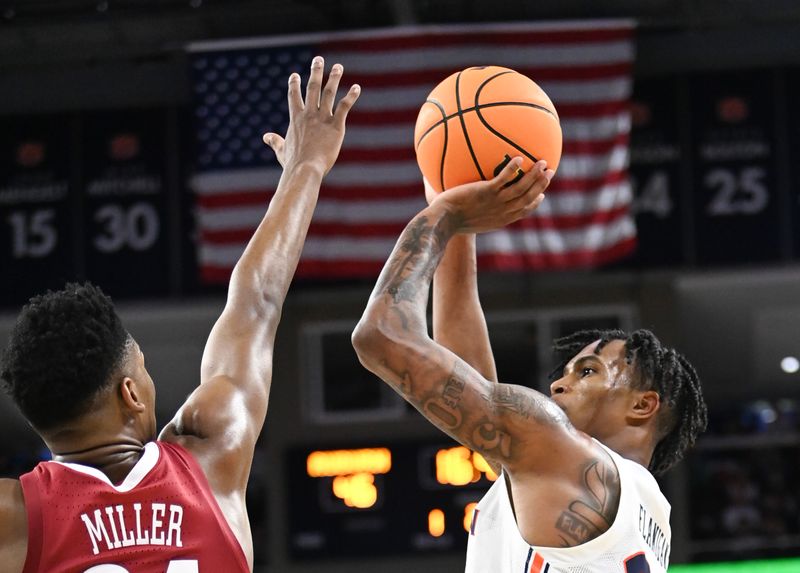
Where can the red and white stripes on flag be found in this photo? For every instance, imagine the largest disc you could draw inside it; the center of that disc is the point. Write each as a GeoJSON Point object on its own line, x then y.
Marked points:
{"type": "Point", "coordinates": [375, 188]}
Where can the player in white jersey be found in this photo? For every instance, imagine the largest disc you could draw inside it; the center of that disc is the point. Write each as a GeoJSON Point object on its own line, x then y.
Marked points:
{"type": "Point", "coordinates": [576, 494]}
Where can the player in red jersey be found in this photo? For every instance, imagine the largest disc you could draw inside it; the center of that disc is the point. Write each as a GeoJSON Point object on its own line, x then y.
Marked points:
{"type": "Point", "coordinates": [114, 499]}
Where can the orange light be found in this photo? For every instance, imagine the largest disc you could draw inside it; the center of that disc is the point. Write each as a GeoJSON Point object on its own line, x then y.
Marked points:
{"type": "Point", "coordinates": [436, 522]}
{"type": "Point", "coordinates": [469, 511]}
{"type": "Point", "coordinates": [454, 466]}
{"type": "Point", "coordinates": [347, 462]}
{"type": "Point", "coordinates": [460, 466]}
{"type": "Point", "coordinates": [482, 466]}
{"type": "Point", "coordinates": [357, 490]}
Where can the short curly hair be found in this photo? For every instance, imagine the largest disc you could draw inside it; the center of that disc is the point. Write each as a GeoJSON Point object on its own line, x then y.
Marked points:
{"type": "Point", "coordinates": [684, 414]}
{"type": "Point", "coordinates": [62, 351]}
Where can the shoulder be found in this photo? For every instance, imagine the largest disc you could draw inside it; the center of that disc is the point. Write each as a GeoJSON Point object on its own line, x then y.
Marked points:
{"type": "Point", "coordinates": [12, 501]}
{"type": "Point", "coordinates": [13, 524]}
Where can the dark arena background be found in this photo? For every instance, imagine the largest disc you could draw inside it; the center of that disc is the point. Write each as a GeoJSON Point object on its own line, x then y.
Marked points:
{"type": "Point", "coordinates": [112, 156]}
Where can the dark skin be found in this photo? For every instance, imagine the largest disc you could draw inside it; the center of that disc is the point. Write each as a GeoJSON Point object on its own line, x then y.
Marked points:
{"type": "Point", "coordinates": [221, 420]}
{"type": "Point", "coordinates": [564, 486]}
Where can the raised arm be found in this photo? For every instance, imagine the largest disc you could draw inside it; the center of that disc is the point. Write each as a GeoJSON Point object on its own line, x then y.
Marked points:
{"type": "Point", "coordinates": [223, 417]}
{"type": "Point", "coordinates": [504, 422]}
{"type": "Point", "coordinates": [458, 320]}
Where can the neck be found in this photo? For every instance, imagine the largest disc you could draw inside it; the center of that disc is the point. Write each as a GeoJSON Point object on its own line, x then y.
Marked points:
{"type": "Point", "coordinates": [632, 445]}
{"type": "Point", "coordinates": [98, 442]}
{"type": "Point", "coordinates": [115, 459]}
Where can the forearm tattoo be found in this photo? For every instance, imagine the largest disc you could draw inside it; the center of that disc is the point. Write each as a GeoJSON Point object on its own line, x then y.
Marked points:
{"type": "Point", "coordinates": [402, 294]}
{"type": "Point", "coordinates": [413, 262]}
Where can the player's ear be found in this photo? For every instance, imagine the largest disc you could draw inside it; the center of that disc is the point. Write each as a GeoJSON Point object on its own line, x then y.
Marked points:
{"type": "Point", "coordinates": [132, 396]}
{"type": "Point", "coordinates": [645, 406]}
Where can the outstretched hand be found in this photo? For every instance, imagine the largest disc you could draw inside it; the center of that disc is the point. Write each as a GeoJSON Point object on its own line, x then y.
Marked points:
{"type": "Point", "coordinates": [316, 127]}
{"type": "Point", "coordinates": [487, 205]}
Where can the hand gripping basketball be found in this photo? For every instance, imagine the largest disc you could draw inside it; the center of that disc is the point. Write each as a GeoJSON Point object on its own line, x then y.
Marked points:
{"type": "Point", "coordinates": [487, 205]}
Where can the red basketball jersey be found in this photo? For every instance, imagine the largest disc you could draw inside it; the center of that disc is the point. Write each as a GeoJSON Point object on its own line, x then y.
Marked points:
{"type": "Point", "coordinates": [162, 518]}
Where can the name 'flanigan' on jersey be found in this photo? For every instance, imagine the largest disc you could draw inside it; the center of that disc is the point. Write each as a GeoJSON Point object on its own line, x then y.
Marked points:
{"type": "Point", "coordinates": [654, 536]}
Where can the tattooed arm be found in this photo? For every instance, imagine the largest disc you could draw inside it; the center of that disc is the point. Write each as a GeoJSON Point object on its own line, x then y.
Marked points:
{"type": "Point", "coordinates": [498, 420]}
{"type": "Point", "coordinates": [458, 320]}
{"type": "Point", "coordinates": [565, 488]}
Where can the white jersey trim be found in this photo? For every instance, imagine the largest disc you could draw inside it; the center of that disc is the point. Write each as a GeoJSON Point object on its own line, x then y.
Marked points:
{"type": "Point", "coordinates": [146, 463]}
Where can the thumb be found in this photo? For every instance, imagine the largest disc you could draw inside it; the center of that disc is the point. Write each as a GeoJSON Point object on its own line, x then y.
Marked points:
{"type": "Point", "coordinates": [274, 140]}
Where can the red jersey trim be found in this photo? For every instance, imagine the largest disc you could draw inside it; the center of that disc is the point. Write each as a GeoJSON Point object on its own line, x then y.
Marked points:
{"type": "Point", "coordinates": [205, 487]}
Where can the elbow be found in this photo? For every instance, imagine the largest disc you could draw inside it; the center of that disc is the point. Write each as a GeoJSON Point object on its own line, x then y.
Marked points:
{"type": "Point", "coordinates": [368, 340]}
{"type": "Point", "coordinates": [375, 338]}
{"type": "Point", "coordinates": [379, 336]}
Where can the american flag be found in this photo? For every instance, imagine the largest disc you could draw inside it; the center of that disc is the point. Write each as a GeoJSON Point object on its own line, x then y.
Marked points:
{"type": "Point", "coordinates": [375, 188]}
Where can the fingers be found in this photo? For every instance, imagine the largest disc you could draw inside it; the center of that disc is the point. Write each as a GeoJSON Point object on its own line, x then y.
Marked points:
{"type": "Point", "coordinates": [539, 174]}
{"type": "Point", "coordinates": [527, 194]}
{"type": "Point", "coordinates": [533, 205]}
{"type": "Point", "coordinates": [346, 103]}
{"type": "Point", "coordinates": [331, 87]}
{"type": "Point", "coordinates": [295, 99]}
{"type": "Point", "coordinates": [508, 173]}
{"type": "Point", "coordinates": [315, 82]}
{"type": "Point", "coordinates": [276, 142]}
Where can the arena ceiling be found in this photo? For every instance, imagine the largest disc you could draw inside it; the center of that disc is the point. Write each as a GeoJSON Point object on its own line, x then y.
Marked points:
{"type": "Point", "coordinates": [41, 32]}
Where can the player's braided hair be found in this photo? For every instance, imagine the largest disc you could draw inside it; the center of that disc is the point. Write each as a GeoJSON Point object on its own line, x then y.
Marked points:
{"type": "Point", "coordinates": [683, 415]}
{"type": "Point", "coordinates": [62, 350]}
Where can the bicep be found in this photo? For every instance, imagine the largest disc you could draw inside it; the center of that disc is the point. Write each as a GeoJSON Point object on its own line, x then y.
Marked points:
{"type": "Point", "coordinates": [511, 424]}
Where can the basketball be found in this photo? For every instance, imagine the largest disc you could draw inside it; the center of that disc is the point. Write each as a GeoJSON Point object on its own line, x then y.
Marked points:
{"type": "Point", "coordinates": [477, 119]}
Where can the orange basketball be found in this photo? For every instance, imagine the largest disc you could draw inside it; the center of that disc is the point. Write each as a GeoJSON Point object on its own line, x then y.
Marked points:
{"type": "Point", "coordinates": [477, 119]}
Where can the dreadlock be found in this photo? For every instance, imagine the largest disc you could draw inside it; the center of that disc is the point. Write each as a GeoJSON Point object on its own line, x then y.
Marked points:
{"type": "Point", "coordinates": [683, 415]}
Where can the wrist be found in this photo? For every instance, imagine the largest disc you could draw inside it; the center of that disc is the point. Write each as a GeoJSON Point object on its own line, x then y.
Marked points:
{"type": "Point", "coordinates": [306, 167]}
{"type": "Point", "coordinates": [446, 217]}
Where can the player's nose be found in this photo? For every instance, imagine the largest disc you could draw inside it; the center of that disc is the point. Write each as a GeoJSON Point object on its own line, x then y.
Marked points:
{"type": "Point", "coordinates": [558, 387]}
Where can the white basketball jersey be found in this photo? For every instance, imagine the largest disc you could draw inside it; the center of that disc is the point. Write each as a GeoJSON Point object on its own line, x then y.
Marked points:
{"type": "Point", "coordinates": [637, 542]}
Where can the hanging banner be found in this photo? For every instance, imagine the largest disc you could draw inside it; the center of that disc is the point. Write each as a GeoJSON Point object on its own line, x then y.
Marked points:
{"type": "Point", "coordinates": [736, 203]}
{"type": "Point", "coordinates": [656, 159]}
{"type": "Point", "coordinates": [125, 201]}
{"type": "Point", "coordinates": [792, 93]}
{"type": "Point", "coordinates": [36, 213]}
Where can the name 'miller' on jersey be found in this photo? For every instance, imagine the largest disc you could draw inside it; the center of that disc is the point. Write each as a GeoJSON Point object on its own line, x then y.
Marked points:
{"type": "Point", "coordinates": [160, 525]}
{"type": "Point", "coordinates": [162, 517]}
